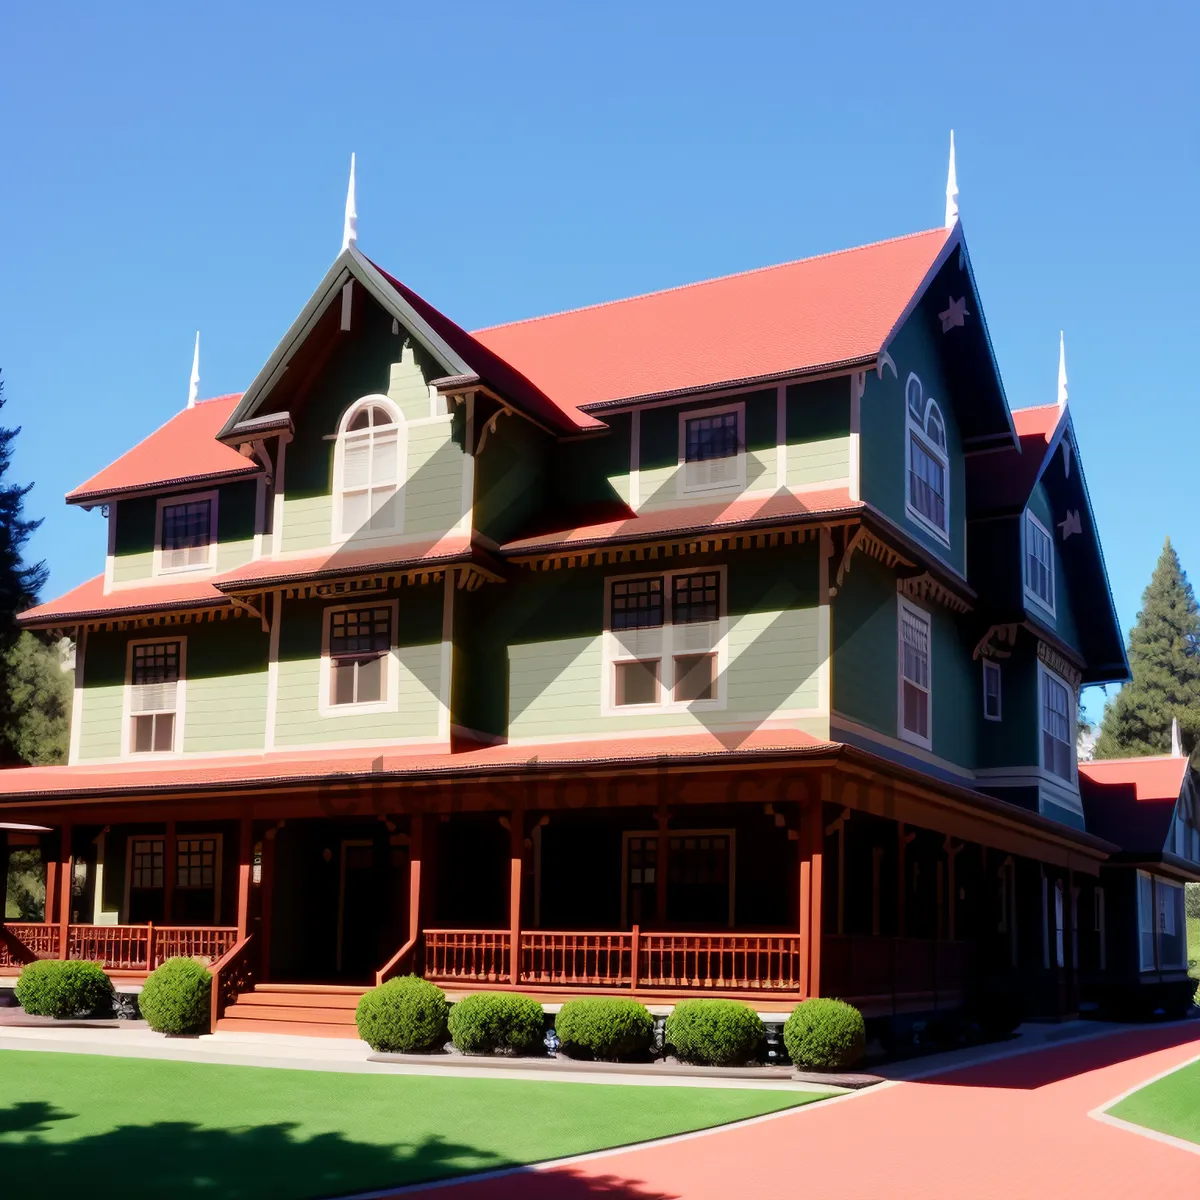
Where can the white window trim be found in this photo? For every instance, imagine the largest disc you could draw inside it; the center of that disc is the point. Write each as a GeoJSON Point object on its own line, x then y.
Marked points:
{"type": "Point", "coordinates": [391, 670]}
{"type": "Point", "coordinates": [1072, 718]}
{"type": "Point", "coordinates": [906, 735]}
{"type": "Point", "coordinates": [127, 700]}
{"type": "Point", "coordinates": [1030, 594]}
{"type": "Point", "coordinates": [912, 429]}
{"type": "Point", "coordinates": [627, 834]}
{"type": "Point", "coordinates": [612, 655]}
{"type": "Point", "coordinates": [990, 665]}
{"type": "Point", "coordinates": [162, 837]}
{"type": "Point", "coordinates": [375, 400]}
{"type": "Point", "coordinates": [738, 484]}
{"type": "Point", "coordinates": [165, 502]}
{"type": "Point", "coordinates": [1168, 886]}
{"type": "Point", "coordinates": [1142, 966]}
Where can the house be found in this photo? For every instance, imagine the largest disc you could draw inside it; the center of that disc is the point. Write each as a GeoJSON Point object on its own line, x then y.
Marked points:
{"type": "Point", "coordinates": [720, 641]}
{"type": "Point", "coordinates": [1137, 958]}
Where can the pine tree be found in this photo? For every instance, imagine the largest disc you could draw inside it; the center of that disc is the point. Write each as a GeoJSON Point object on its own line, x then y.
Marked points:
{"type": "Point", "coordinates": [19, 583]}
{"type": "Point", "coordinates": [39, 702]}
{"type": "Point", "coordinates": [1164, 659]}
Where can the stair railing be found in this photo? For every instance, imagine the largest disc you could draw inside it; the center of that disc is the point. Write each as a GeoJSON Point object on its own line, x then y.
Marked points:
{"type": "Point", "coordinates": [233, 973]}
{"type": "Point", "coordinates": [391, 968]}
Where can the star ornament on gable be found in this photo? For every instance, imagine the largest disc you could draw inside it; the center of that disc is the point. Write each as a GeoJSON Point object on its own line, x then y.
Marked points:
{"type": "Point", "coordinates": [954, 316]}
{"type": "Point", "coordinates": [1072, 523]}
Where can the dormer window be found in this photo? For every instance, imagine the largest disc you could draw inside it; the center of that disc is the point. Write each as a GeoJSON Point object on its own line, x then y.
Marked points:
{"type": "Point", "coordinates": [712, 449]}
{"type": "Point", "coordinates": [1039, 563]}
{"type": "Point", "coordinates": [368, 496]}
{"type": "Point", "coordinates": [927, 499]}
{"type": "Point", "coordinates": [186, 537]}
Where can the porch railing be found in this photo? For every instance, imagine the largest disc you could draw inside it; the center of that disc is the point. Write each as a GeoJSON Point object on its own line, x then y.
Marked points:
{"type": "Point", "coordinates": [656, 961]}
{"type": "Point", "coordinates": [117, 947]}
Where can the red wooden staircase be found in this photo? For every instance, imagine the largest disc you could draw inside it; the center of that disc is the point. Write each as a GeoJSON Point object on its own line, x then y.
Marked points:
{"type": "Point", "coordinates": [310, 1009]}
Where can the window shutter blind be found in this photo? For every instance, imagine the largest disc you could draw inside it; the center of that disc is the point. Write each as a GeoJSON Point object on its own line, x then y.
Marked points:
{"type": "Point", "coordinates": [154, 697]}
{"type": "Point", "coordinates": [711, 472]}
{"type": "Point", "coordinates": [356, 463]}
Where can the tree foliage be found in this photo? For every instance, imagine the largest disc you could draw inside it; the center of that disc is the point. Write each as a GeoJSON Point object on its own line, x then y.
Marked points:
{"type": "Point", "coordinates": [1164, 659]}
{"type": "Point", "coordinates": [39, 702]}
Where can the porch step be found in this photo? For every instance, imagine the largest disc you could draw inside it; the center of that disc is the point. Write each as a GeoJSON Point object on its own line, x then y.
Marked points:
{"type": "Point", "coordinates": [307, 1009]}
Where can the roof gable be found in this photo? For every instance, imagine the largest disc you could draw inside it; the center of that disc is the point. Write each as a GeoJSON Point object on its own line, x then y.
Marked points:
{"type": "Point", "coordinates": [1132, 801]}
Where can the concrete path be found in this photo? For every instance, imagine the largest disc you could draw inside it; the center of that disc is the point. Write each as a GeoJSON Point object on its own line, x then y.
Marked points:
{"type": "Point", "coordinates": [1008, 1129]}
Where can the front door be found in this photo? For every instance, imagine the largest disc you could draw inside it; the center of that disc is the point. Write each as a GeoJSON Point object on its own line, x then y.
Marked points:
{"type": "Point", "coordinates": [358, 910]}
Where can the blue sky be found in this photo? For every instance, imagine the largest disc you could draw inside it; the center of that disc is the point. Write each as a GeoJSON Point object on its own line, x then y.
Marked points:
{"type": "Point", "coordinates": [174, 167]}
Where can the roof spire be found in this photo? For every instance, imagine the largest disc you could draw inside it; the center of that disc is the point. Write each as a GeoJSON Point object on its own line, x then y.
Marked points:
{"type": "Point", "coordinates": [350, 227]}
{"type": "Point", "coordinates": [194, 382]}
{"type": "Point", "coordinates": [951, 190]}
{"type": "Point", "coordinates": [1176, 740]}
{"type": "Point", "coordinates": [1062, 373]}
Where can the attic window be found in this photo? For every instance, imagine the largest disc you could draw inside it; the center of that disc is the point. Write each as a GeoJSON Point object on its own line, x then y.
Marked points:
{"type": "Point", "coordinates": [712, 449]}
{"type": "Point", "coordinates": [367, 470]}
{"type": "Point", "coordinates": [186, 533]}
{"type": "Point", "coordinates": [927, 498]}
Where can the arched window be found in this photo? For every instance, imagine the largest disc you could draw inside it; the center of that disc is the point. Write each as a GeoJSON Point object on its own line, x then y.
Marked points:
{"type": "Point", "coordinates": [368, 469]}
{"type": "Point", "coordinates": [928, 466]}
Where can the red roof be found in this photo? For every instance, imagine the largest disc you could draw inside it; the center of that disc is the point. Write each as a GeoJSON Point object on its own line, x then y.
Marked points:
{"type": "Point", "coordinates": [249, 770]}
{"type": "Point", "coordinates": [1005, 480]}
{"type": "Point", "coordinates": [818, 312]}
{"type": "Point", "coordinates": [1154, 779]}
{"type": "Point", "coordinates": [295, 568]}
{"type": "Point", "coordinates": [779, 508]}
{"type": "Point", "coordinates": [183, 450]}
{"type": "Point", "coordinates": [90, 600]}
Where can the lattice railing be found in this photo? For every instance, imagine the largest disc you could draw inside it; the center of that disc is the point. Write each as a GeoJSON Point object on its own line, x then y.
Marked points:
{"type": "Point", "coordinates": [577, 959]}
{"type": "Point", "coordinates": [116, 947]}
{"type": "Point", "coordinates": [744, 962]}
{"type": "Point", "coordinates": [468, 955]}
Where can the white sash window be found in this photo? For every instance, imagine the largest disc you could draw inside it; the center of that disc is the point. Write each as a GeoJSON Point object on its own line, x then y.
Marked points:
{"type": "Point", "coordinates": [155, 681]}
{"type": "Point", "coordinates": [186, 534]}
{"type": "Point", "coordinates": [928, 467]}
{"type": "Point", "coordinates": [359, 641]}
{"type": "Point", "coordinates": [1058, 723]}
{"type": "Point", "coordinates": [712, 449]}
{"type": "Point", "coordinates": [368, 470]}
{"type": "Point", "coordinates": [915, 675]}
{"type": "Point", "coordinates": [1039, 562]}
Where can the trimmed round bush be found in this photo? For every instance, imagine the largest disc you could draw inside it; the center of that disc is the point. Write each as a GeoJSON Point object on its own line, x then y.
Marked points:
{"type": "Point", "coordinates": [177, 997]}
{"type": "Point", "coordinates": [403, 1016]}
{"type": "Point", "coordinates": [606, 1027]}
{"type": "Point", "coordinates": [826, 1035]}
{"type": "Point", "coordinates": [720, 1033]}
{"type": "Point", "coordinates": [52, 988]}
{"type": "Point", "coordinates": [497, 1022]}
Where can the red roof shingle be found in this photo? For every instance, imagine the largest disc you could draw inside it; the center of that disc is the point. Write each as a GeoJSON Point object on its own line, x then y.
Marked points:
{"type": "Point", "coordinates": [1157, 778]}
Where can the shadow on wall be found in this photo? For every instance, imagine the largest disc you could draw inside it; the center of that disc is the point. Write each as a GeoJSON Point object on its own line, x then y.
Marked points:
{"type": "Point", "coordinates": [182, 1159]}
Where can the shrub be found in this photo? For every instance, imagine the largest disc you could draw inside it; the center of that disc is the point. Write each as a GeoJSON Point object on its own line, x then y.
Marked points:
{"type": "Point", "coordinates": [403, 1016]}
{"type": "Point", "coordinates": [51, 988]}
{"type": "Point", "coordinates": [722, 1033]}
{"type": "Point", "coordinates": [606, 1028]}
{"type": "Point", "coordinates": [828, 1035]}
{"type": "Point", "coordinates": [497, 1021]}
{"type": "Point", "coordinates": [177, 997]}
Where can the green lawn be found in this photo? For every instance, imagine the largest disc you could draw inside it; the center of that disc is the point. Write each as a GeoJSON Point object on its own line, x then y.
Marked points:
{"type": "Point", "coordinates": [1172, 1105]}
{"type": "Point", "coordinates": [147, 1128]}
{"type": "Point", "coordinates": [1193, 944]}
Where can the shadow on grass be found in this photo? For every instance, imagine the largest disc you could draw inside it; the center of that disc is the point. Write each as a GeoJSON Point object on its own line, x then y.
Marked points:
{"type": "Point", "coordinates": [260, 1161]}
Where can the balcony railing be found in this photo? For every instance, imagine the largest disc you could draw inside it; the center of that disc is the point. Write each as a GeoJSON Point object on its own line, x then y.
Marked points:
{"type": "Point", "coordinates": [133, 948]}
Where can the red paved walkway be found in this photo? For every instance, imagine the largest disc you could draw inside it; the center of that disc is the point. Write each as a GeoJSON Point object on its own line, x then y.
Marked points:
{"type": "Point", "coordinates": [1013, 1129]}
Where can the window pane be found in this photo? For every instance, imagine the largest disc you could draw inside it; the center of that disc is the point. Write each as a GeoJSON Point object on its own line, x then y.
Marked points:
{"type": "Point", "coordinates": [356, 462]}
{"type": "Point", "coordinates": [383, 457]}
{"type": "Point", "coordinates": [695, 676]}
{"type": "Point", "coordinates": [164, 731]}
{"type": "Point", "coordinates": [637, 603]}
{"type": "Point", "coordinates": [143, 734]}
{"type": "Point", "coordinates": [1039, 562]}
{"type": "Point", "coordinates": [695, 598]}
{"type": "Point", "coordinates": [637, 682]}
{"type": "Point", "coordinates": [914, 631]}
{"type": "Point", "coordinates": [156, 663]}
{"type": "Point", "coordinates": [360, 631]}
{"type": "Point", "coordinates": [1056, 727]}
{"type": "Point", "coordinates": [916, 710]}
{"type": "Point", "coordinates": [370, 680]}
{"type": "Point", "coordinates": [711, 437]}
{"type": "Point", "coordinates": [926, 483]}
{"type": "Point", "coordinates": [343, 681]}
{"type": "Point", "coordinates": [186, 525]}
{"type": "Point", "coordinates": [991, 690]}
{"type": "Point", "coordinates": [383, 507]}
{"type": "Point", "coordinates": [354, 511]}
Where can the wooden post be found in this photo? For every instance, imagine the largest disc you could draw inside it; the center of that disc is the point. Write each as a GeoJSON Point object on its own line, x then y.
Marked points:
{"type": "Point", "coordinates": [170, 855]}
{"type": "Point", "coordinates": [267, 893]}
{"type": "Point", "coordinates": [4, 856]}
{"type": "Point", "coordinates": [245, 853]}
{"type": "Point", "coordinates": [816, 889]}
{"type": "Point", "coordinates": [149, 947]}
{"type": "Point", "coordinates": [416, 852]}
{"type": "Point", "coordinates": [635, 950]}
{"type": "Point", "coordinates": [804, 879]}
{"type": "Point", "coordinates": [662, 849]}
{"type": "Point", "coordinates": [51, 901]}
{"type": "Point", "coordinates": [65, 873]}
{"type": "Point", "coordinates": [516, 834]}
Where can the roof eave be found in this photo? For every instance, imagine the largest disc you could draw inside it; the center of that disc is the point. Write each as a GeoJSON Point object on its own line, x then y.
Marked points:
{"type": "Point", "coordinates": [108, 495]}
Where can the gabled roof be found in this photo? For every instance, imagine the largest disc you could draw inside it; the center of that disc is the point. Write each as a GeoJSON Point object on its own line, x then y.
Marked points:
{"type": "Point", "coordinates": [1004, 481]}
{"type": "Point", "coordinates": [183, 451]}
{"type": "Point", "coordinates": [1154, 778]}
{"type": "Point", "coordinates": [1131, 801]}
{"type": "Point", "coordinates": [827, 312]}
{"type": "Point", "coordinates": [90, 601]}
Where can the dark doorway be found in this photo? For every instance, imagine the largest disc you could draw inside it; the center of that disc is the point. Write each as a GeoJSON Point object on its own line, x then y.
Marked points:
{"type": "Point", "coordinates": [472, 873]}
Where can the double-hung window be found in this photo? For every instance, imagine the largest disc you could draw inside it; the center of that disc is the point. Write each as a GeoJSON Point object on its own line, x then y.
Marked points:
{"type": "Point", "coordinates": [360, 642]}
{"type": "Point", "coordinates": [1039, 563]}
{"type": "Point", "coordinates": [712, 449]}
{"type": "Point", "coordinates": [991, 690]}
{"type": "Point", "coordinates": [367, 470]}
{"type": "Point", "coordinates": [155, 692]}
{"type": "Point", "coordinates": [915, 675]}
{"type": "Point", "coordinates": [1058, 722]}
{"type": "Point", "coordinates": [927, 499]}
{"type": "Point", "coordinates": [664, 639]}
{"type": "Point", "coordinates": [1162, 937]}
{"type": "Point", "coordinates": [186, 534]}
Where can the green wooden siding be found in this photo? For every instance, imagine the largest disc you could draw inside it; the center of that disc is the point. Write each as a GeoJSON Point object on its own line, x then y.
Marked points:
{"type": "Point", "coordinates": [1013, 740]}
{"type": "Point", "coordinates": [103, 695]}
{"type": "Point", "coordinates": [513, 476]}
{"type": "Point", "coordinates": [884, 444]}
{"type": "Point", "coordinates": [817, 422]}
{"type": "Point", "coordinates": [298, 720]}
{"type": "Point", "coordinates": [408, 385]}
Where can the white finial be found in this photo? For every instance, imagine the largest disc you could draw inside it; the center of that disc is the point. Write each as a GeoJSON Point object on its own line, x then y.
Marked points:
{"type": "Point", "coordinates": [350, 227]}
{"type": "Point", "coordinates": [1176, 740]}
{"type": "Point", "coordinates": [194, 383]}
{"type": "Point", "coordinates": [1062, 373]}
{"type": "Point", "coordinates": [951, 190]}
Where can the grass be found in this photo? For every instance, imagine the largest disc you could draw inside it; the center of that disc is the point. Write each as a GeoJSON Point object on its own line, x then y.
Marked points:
{"type": "Point", "coordinates": [1193, 945]}
{"type": "Point", "coordinates": [1170, 1105]}
{"type": "Point", "coordinates": [148, 1128]}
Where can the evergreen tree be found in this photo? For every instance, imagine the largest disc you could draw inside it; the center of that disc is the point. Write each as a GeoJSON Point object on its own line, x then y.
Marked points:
{"type": "Point", "coordinates": [39, 702]}
{"type": "Point", "coordinates": [1164, 659]}
{"type": "Point", "coordinates": [19, 583]}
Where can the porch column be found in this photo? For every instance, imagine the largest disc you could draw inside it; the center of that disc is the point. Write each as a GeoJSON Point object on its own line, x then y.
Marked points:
{"type": "Point", "coordinates": [416, 852]}
{"type": "Point", "coordinates": [662, 849]}
{"type": "Point", "coordinates": [65, 873]}
{"type": "Point", "coordinates": [816, 850]}
{"type": "Point", "coordinates": [170, 850]}
{"type": "Point", "coordinates": [516, 834]}
{"type": "Point", "coordinates": [267, 892]}
{"type": "Point", "coordinates": [245, 854]}
{"type": "Point", "coordinates": [51, 902]}
{"type": "Point", "coordinates": [4, 854]}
